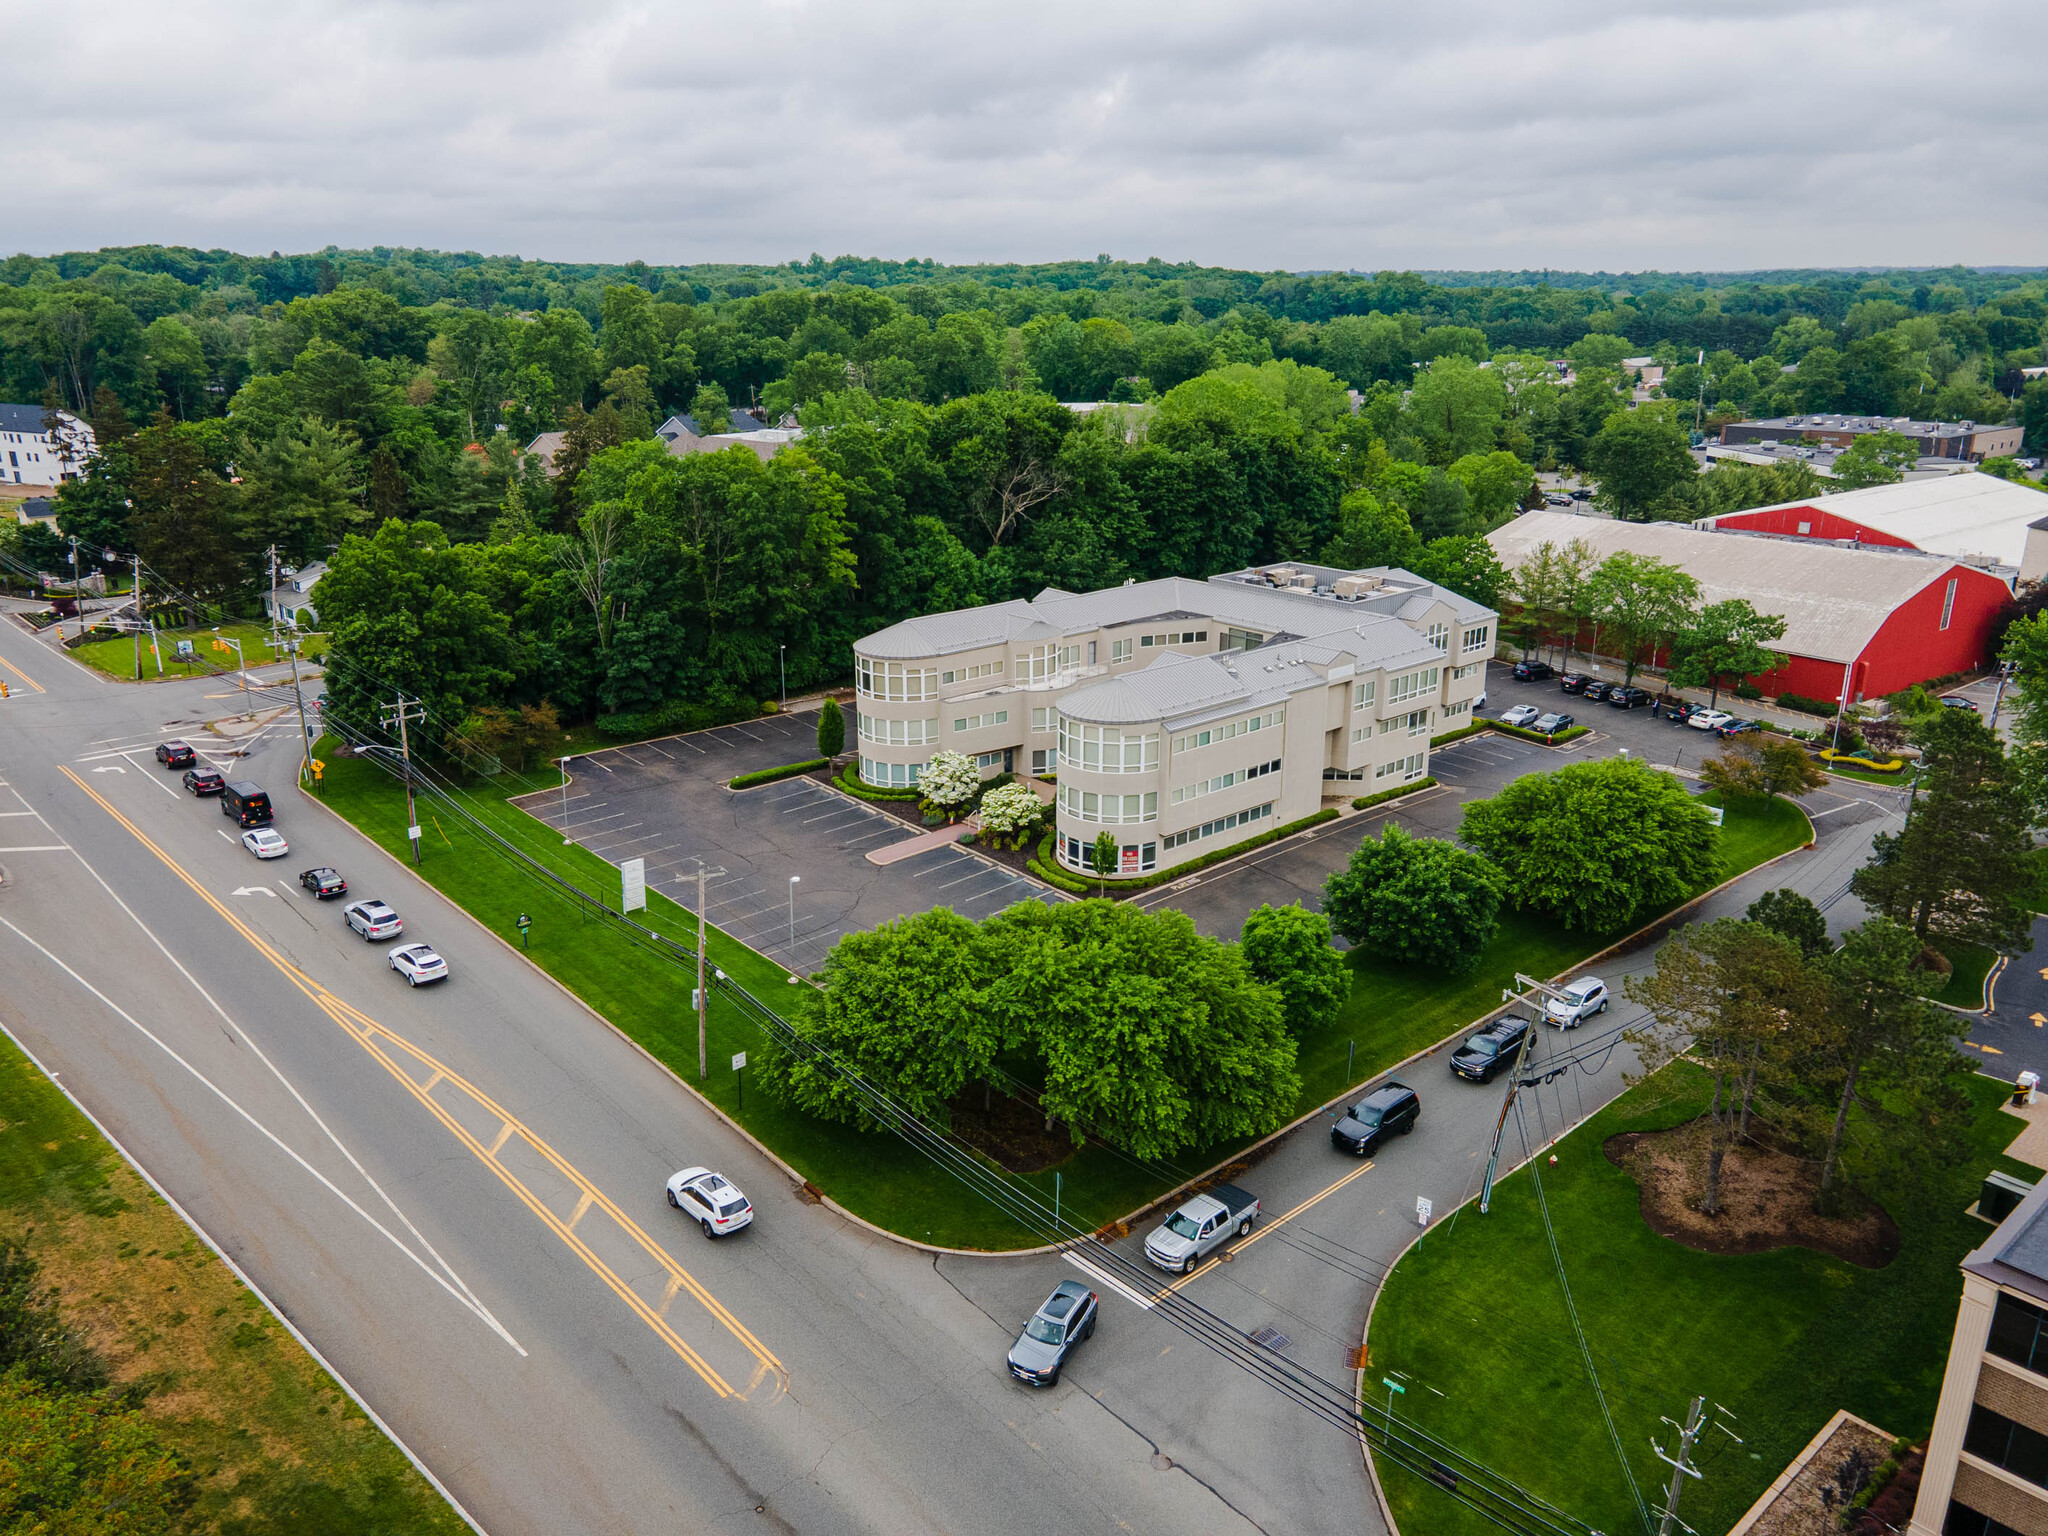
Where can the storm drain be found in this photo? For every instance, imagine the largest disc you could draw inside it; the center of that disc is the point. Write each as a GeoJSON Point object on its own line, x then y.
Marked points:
{"type": "Point", "coordinates": [1270, 1338]}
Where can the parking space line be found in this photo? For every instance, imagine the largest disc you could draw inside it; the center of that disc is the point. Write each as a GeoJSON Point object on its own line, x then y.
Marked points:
{"type": "Point", "coordinates": [976, 874]}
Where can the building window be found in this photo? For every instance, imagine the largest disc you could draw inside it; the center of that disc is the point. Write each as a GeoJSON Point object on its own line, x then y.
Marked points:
{"type": "Point", "coordinates": [1241, 640]}
{"type": "Point", "coordinates": [976, 722]}
{"type": "Point", "coordinates": [1806, 527]}
{"type": "Point", "coordinates": [972, 674]}
{"type": "Point", "coordinates": [889, 775]}
{"type": "Point", "coordinates": [1070, 657]}
{"type": "Point", "coordinates": [1948, 603]}
{"type": "Point", "coordinates": [1475, 638]}
{"type": "Point", "coordinates": [2019, 1333]}
{"type": "Point", "coordinates": [1363, 695]}
{"type": "Point", "coordinates": [1418, 722]}
{"type": "Point", "coordinates": [2014, 1447]}
{"type": "Point", "coordinates": [1041, 720]}
{"type": "Point", "coordinates": [892, 680]}
{"type": "Point", "coordinates": [1106, 748]}
{"type": "Point", "coordinates": [1112, 810]}
{"type": "Point", "coordinates": [897, 733]}
{"type": "Point", "coordinates": [1220, 824]}
{"type": "Point", "coordinates": [1036, 666]}
{"type": "Point", "coordinates": [1041, 761]}
{"type": "Point", "coordinates": [990, 759]}
{"type": "Point", "coordinates": [1119, 650]}
{"type": "Point", "coordinates": [1965, 1521]}
{"type": "Point", "coordinates": [1440, 636]}
{"type": "Point", "coordinates": [1403, 768]}
{"type": "Point", "coordinates": [1411, 685]}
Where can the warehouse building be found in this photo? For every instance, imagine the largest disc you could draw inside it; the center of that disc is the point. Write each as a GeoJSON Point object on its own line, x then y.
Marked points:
{"type": "Point", "coordinates": [1966, 440]}
{"type": "Point", "coordinates": [1181, 715]}
{"type": "Point", "coordinates": [1978, 519]}
{"type": "Point", "coordinates": [1883, 619]}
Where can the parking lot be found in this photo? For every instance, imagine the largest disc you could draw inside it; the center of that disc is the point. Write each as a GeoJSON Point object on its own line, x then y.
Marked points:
{"type": "Point", "coordinates": [665, 802]}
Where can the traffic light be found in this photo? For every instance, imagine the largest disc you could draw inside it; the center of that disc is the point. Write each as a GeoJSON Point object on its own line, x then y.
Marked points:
{"type": "Point", "coordinates": [3, 690]}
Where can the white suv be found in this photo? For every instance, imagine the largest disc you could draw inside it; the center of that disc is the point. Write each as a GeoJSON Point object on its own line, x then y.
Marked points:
{"type": "Point", "coordinates": [1581, 1000]}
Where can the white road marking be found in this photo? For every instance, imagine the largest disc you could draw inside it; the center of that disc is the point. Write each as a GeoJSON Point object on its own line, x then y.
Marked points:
{"type": "Point", "coordinates": [40, 848]}
{"type": "Point", "coordinates": [255, 890]}
{"type": "Point", "coordinates": [1135, 1298]}
{"type": "Point", "coordinates": [110, 768]}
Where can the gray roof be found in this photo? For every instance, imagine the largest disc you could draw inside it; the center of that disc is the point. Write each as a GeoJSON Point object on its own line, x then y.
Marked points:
{"type": "Point", "coordinates": [2016, 1255]}
{"type": "Point", "coordinates": [959, 629]}
{"type": "Point", "coordinates": [22, 418]}
{"type": "Point", "coordinates": [1833, 599]}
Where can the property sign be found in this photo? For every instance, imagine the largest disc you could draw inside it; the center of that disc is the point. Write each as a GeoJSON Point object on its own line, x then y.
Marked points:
{"type": "Point", "coordinates": [1422, 1210]}
{"type": "Point", "coordinates": [634, 897]}
{"type": "Point", "coordinates": [739, 1062]}
{"type": "Point", "coordinates": [1714, 814]}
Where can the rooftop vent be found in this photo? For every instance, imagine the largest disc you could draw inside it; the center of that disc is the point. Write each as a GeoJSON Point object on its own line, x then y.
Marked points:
{"type": "Point", "coordinates": [1352, 588]}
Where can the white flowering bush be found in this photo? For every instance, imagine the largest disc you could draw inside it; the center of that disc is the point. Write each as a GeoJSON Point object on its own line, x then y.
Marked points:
{"type": "Point", "coordinates": [1010, 813]}
{"type": "Point", "coordinates": [949, 781]}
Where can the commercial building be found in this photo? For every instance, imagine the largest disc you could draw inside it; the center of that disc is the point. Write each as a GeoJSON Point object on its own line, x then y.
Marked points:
{"type": "Point", "coordinates": [1986, 1472]}
{"type": "Point", "coordinates": [1880, 619]}
{"type": "Point", "coordinates": [1969, 440]}
{"type": "Point", "coordinates": [1181, 715]}
{"type": "Point", "coordinates": [29, 455]}
{"type": "Point", "coordinates": [1978, 519]}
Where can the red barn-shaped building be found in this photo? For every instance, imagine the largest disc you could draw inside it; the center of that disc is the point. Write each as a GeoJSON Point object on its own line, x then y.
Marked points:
{"type": "Point", "coordinates": [1883, 619]}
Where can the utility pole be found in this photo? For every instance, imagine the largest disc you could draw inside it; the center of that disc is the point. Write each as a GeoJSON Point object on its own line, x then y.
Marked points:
{"type": "Point", "coordinates": [305, 731]}
{"type": "Point", "coordinates": [77, 595]}
{"type": "Point", "coordinates": [1681, 1467]}
{"type": "Point", "coordinates": [703, 998]}
{"type": "Point", "coordinates": [1527, 984]}
{"type": "Point", "coordinates": [2005, 672]}
{"type": "Point", "coordinates": [138, 617]}
{"type": "Point", "coordinates": [407, 711]}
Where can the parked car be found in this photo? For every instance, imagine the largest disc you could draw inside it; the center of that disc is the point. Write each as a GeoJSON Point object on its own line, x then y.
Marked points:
{"type": "Point", "coordinates": [1680, 712]}
{"type": "Point", "coordinates": [1556, 499]}
{"type": "Point", "coordinates": [418, 963]}
{"type": "Point", "coordinates": [1957, 701]}
{"type": "Point", "coordinates": [246, 803]}
{"type": "Point", "coordinates": [1201, 1226]}
{"type": "Point", "coordinates": [1708, 719]}
{"type": "Point", "coordinates": [1736, 727]}
{"type": "Point", "coordinates": [324, 883]}
{"type": "Point", "coordinates": [373, 920]}
{"type": "Point", "coordinates": [711, 1200]}
{"type": "Point", "coordinates": [1583, 493]}
{"type": "Point", "coordinates": [1521, 714]}
{"type": "Point", "coordinates": [1552, 723]}
{"type": "Point", "coordinates": [1582, 999]}
{"type": "Point", "coordinates": [1595, 690]}
{"type": "Point", "coordinates": [1533, 671]}
{"type": "Point", "coordinates": [265, 843]}
{"type": "Point", "coordinates": [204, 781]}
{"type": "Point", "coordinates": [1627, 698]}
{"type": "Point", "coordinates": [1389, 1110]}
{"type": "Point", "coordinates": [1573, 682]}
{"type": "Point", "coordinates": [1055, 1331]}
{"type": "Point", "coordinates": [176, 754]}
{"type": "Point", "coordinates": [1488, 1051]}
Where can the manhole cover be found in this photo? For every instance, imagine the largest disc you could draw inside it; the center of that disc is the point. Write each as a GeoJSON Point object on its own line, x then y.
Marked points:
{"type": "Point", "coordinates": [1270, 1338]}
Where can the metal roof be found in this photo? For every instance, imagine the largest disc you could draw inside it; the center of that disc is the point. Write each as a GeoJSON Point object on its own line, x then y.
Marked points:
{"type": "Point", "coordinates": [1833, 599]}
{"type": "Point", "coordinates": [1968, 516]}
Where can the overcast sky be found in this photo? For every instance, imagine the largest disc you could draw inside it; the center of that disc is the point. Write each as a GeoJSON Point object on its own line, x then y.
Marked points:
{"type": "Point", "coordinates": [1428, 133]}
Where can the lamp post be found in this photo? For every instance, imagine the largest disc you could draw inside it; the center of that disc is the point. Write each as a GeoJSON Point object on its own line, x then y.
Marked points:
{"type": "Point", "coordinates": [782, 675]}
{"type": "Point", "coordinates": [794, 880]}
{"type": "Point", "coordinates": [566, 838]}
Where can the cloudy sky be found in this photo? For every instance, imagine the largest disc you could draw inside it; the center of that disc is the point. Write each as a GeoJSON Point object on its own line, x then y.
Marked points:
{"type": "Point", "coordinates": [1495, 133]}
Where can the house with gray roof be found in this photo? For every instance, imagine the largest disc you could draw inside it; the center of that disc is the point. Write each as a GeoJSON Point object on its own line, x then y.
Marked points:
{"type": "Point", "coordinates": [1178, 712]}
{"type": "Point", "coordinates": [30, 454]}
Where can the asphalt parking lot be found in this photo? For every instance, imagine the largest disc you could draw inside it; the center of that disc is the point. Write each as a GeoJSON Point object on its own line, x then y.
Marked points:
{"type": "Point", "coordinates": [665, 802]}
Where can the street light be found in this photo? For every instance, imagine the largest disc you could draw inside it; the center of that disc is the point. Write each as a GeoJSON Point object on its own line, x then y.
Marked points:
{"type": "Point", "coordinates": [793, 882]}
{"type": "Point", "coordinates": [566, 838]}
{"type": "Point", "coordinates": [782, 673]}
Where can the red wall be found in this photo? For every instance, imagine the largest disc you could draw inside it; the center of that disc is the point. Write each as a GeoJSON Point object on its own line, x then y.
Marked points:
{"type": "Point", "coordinates": [1912, 646]}
{"type": "Point", "coordinates": [1820, 525]}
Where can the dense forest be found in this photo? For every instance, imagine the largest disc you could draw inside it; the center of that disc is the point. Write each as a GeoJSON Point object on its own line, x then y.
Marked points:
{"type": "Point", "coordinates": [371, 408]}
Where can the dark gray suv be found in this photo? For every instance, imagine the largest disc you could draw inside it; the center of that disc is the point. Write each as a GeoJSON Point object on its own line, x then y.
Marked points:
{"type": "Point", "coordinates": [1389, 1110]}
{"type": "Point", "coordinates": [1054, 1332]}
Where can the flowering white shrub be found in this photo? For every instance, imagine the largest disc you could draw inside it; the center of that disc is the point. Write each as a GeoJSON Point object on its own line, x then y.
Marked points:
{"type": "Point", "coordinates": [1010, 811]}
{"type": "Point", "coordinates": [949, 779]}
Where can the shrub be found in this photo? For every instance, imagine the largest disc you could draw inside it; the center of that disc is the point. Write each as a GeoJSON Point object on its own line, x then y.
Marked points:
{"type": "Point", "coordinates": [831, 729]}
{"type": "Point", "coordinates": [1366, 802]}
{"type": "Point", "coordinates": [1010, 814]}
{"type": "Point", "coordinates": [673, 718]}
{"type": "Point", "coordinates": [949, 781]}
{"type": "Point", "coordinates": [1804, 705]}
{"type": "Point", "coordinates": [850, 781]}
{"type": "Point", "coordinates": [1289, 949]}
{"type": "Point", "coordinates": [1458, 735]}
{"type": "Point", "coordinates": [1747, 690]}
{"type": "Point", "coordinates": [1528, 735]}
{"type": "Point", "coordinates": [770, 775]}
{"type": "Point", "coordinates": [1422, 900]}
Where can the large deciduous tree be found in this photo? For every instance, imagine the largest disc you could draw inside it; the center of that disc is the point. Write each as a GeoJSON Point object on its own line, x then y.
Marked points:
{"type": "Point", "coordinates": [1641, 461]}
{"type": "Point", "coordinates": [1640, 601]}
{"type": "Point", "coordinates": [1725, 640]}
{"type": "Point", "coordinates": [1875, 458]}
{"type": "Point", "coordinates": [1419, 900]}
{"type": "Point", "coordinates": [1289, 949]}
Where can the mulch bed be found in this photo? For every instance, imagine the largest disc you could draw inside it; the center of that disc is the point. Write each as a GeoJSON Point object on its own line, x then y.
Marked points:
{"type": "Point", "coordinates": [1815, 1500]}
{"type": "Point", "coordinates": [1010, 1132]}
{"type": "Point", "coordinates": [1767, 1198]}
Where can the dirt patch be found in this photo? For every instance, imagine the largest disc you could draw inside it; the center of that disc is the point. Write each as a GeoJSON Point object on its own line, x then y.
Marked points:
{"type": "Point", "coordinates": [1010, 1132]}
{"type": "Point", "coordinates": [1766, 1199]}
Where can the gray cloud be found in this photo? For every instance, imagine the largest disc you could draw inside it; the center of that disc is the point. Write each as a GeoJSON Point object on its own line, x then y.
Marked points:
{"type": "Point", "coordinates": [1476, 134]}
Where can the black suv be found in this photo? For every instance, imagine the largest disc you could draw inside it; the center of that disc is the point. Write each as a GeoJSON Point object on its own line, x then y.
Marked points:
{"type": "Point", "coordinates": [1627, 698]}
{"type": "Point", "coordinates": [1533, 671]}
{"type": "Point", "coordinates": [204, 781]}
{"type": "Point", "coordinates": [1389, 1110]}
{"type": "Point", "coordinates": [1488, 1051]}
{"type": "Point", "coordinates": [176, 754]}
{"type": "Point", "coordinates": [1573, 682]}
{"type": "Point", "coordinates": [1594, 690]}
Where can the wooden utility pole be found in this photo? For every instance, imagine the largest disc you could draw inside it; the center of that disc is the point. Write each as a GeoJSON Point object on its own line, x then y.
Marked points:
{"type": "Point", "coordinates": [407, 711]}
{"type": "Point", "coordinates": [703, 997]}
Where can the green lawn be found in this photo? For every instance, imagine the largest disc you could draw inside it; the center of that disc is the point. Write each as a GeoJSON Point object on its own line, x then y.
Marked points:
{"type": "Point", "coordinates": [1473, 1317]}
{"type": "Point", "coordinates": [1392, 1013]}
{"type": "Point", "coordinates": [116, 657]}
{"type": "Point", "coordinates": [277, 1448]}
{"type": "Point", "coordinates": [1972, 964]}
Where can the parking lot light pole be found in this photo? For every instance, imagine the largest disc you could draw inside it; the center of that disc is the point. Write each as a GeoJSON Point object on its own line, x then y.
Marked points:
{"type": "Point", "coordinates": [793, 882]}
{"type": "Point", "coordinates": [782, 674]}
{"type": "Point", "coordinates": [566, 838]}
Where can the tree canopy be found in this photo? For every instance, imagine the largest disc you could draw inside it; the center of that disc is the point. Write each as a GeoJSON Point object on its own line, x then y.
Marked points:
{"type": "Point", "coordinates": [1420, 900]}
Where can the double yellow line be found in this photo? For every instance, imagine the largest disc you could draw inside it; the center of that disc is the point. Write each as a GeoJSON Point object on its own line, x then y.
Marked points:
{"type": "Point", "coordinates": [1272, 1226]}
{"type": "Point", "coordinates": [393, 1052]}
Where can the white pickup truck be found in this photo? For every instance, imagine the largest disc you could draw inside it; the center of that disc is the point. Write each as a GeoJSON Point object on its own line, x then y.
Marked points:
{"type": "Point", "coordinates": [1201, 1226]}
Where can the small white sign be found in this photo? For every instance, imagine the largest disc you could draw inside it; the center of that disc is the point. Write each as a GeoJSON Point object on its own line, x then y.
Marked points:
{"type": "Point", "coordinates": [739, 1062]}
{"type": "Point", "coordinates": [1714, 814]}
{"type": "Point", "coordinates": [413, 833]}
{"type": "Point", "coordinates": [696, 1000]}
{"type": "Point", "coordinates": [1422, 1210]}
{"type": "Point", "coordinates": [634, 898]}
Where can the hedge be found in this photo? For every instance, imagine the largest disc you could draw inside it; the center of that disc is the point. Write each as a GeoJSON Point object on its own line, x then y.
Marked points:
{"type": "Point", "coordinates": [674, 718]}
{"type": "Point", "coordinates": [1827, 755]}
{"type": "Point", "coordinates": [1367, 802]}
{"type": "Point", "coordinates": [849, 780]}
{"type": "Point", "coordinates": [1515, 730]}
{"type": "Point", "coordinates": [1044, 867]}
{"type": "Point", "coordinates": [770, 775]}
{"type": "Point", "coordinates": [1804, 705]}
{"type": "Point", "coordinates": [1458, 735]}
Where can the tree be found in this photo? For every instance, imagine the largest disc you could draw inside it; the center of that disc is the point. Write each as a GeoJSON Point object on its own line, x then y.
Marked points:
{"type": "Point", "coordinates": [300, 490]}
{"type": "Point", "coordinates": [1875, 458]}
{"type": "Point", "coordinates": [1496, 483]}
{"type": "Point", "coordinates": [711, 410]}
{"type": "Point", "coordinates": [1102, 859]}
{"type": "Point", "coordinates": [1962, 868]}
{"type": "Point", "coordinates": [1641, 459]}
{"type": "Point", "coordinates": [1456, 408]}
{"type": "Point", "coordinates": [180, 521]}
{"type": "Point", "coordinates": [1726, 639]}
{"type": "Point", "coordinates": [2026, 649]}
{"type": "Point", "coordinates": [1793, 918]}
{"type": "Point", "coordinates": [1596, 845]}
{"type": "Point", "coordinates": [1759, 769]}
{"type": "Point", "coordinates": [1288, 948]}
{"type": "Point", "coordinates": [1422, 901]}
{"type": "Point", "coordinates": [1369, 534]}
{"type": "Point", "coordinates": [1737, 999]}
{"type": "Point", "coordinates": [1011, 812]}
{"type": "Point", "coordinates": [949, 781]}
{"type": "Point", "coordinates": [831, 729]}
{"type": "Point", "coordinates": [1640, 600]}
{"type": "Point", "coordinates": [1468, 566]}
{"type": "Point", "coordinates": [903, 1007]}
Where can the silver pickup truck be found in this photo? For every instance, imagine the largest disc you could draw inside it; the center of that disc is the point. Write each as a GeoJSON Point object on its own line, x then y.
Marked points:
{"type": "Point", "coordinates": [1201, 1226]}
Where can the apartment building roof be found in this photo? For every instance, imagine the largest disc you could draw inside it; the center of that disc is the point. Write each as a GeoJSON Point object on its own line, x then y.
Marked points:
{"type": "Point", "coordinates": [2016, 1255]}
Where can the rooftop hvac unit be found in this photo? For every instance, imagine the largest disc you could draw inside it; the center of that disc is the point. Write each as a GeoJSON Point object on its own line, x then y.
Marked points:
{"type": "Point", "coordinates": [1354, 587]}
{"type": "Point", "coordinates": [1281, 575]}
{"type": "Point", "coordinates": [1301, 581]}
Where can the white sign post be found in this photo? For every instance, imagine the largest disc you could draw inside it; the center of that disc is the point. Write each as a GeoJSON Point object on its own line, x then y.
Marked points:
{"type": "Point", "coordinates": [739, 1067]}
{"type": "Point", "coordinates": [1422, 1210]}
{"type": "Point", "coordinates": [634, 896]}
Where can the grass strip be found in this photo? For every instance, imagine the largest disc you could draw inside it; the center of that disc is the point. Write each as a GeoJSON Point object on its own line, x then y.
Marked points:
{"type": "Point", "coordinates": [276, 1447]}
{"type": "Point", "coordinates": [116, 656]}
{"type": "Point", "coordinates": [1473, 1320]}
{"type": "Point", "coordinates": [1561, 737]}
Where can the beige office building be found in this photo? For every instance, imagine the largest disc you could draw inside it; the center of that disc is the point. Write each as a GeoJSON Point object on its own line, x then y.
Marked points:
{"type": "Point", "coordinates": [1179, 715]}
{"type": "Point", "coordinates": [1987, 1460]}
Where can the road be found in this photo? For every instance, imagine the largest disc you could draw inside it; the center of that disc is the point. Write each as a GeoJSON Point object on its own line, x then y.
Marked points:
{"type": "Point", "coordinates": [456, 1195]}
